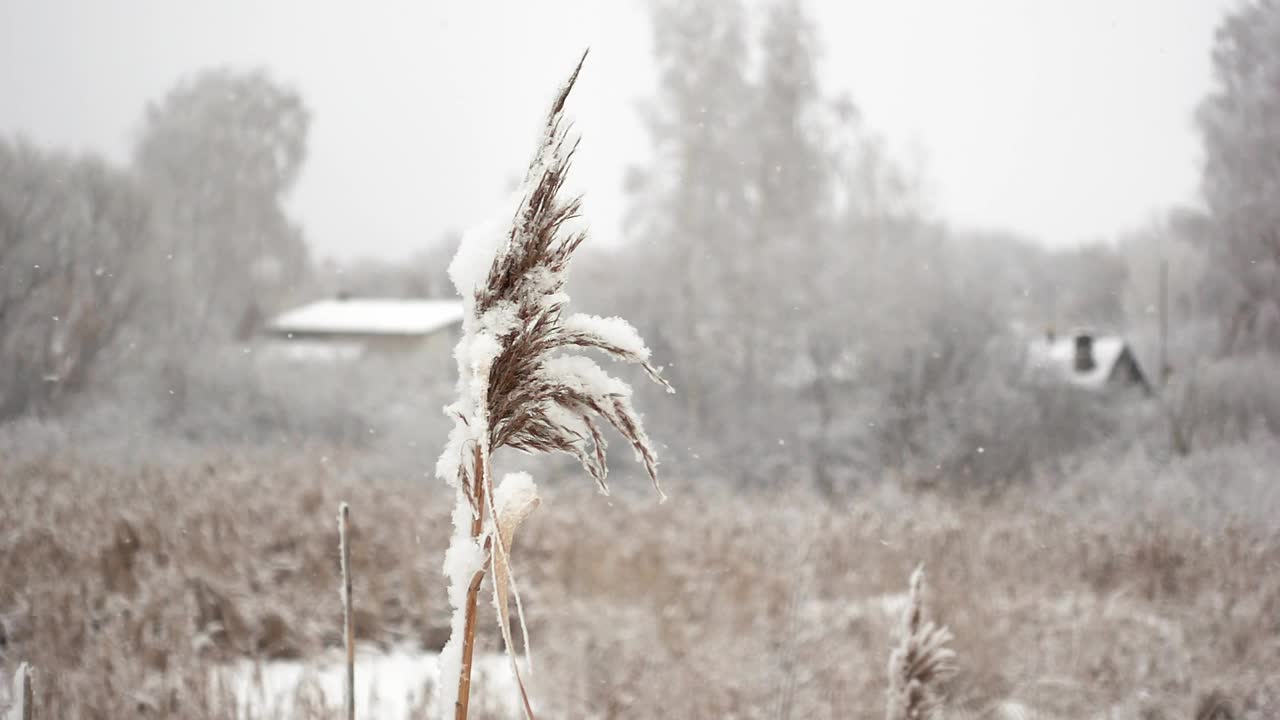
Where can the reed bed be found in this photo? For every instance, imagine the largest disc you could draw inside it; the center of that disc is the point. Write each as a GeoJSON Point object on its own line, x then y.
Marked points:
{"type": "Point", "coordinates": [125, 582]}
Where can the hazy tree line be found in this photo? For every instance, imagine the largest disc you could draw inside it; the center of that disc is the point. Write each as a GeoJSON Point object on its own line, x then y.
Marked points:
{"type": "Point", "coordinates": [824, 325]}
{"type": "Point", "coordinates": [142, 268]}
{"type": "Point", "coordinates": [821, 323]}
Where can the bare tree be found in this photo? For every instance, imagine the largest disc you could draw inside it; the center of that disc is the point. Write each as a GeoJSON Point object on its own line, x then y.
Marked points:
{"type": "Point", "coordinates": [219, 153]}
{"type": "Point", "coordinates": [1240, 126]}
{"type": "Point", "coordinates": [72, 234]}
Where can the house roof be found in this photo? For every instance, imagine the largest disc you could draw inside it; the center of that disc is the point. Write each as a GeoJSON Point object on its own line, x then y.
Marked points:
{"type": "Point", "coordinates": [369, 316]}
{"type": "Point", "coordinates": [1057, 355]}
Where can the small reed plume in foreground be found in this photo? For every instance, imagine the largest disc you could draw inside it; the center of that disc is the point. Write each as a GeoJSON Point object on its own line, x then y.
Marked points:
{"type": "Point", "coordinates": [517, 389]}
{"type": "Point", "coordinates": [920, 663]}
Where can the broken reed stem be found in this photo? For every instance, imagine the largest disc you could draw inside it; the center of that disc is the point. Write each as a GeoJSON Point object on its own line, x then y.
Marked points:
{"type": "Point", "coordinates": [26, 698]}
{"type": "Point", "coordinates": [473, 590]}
{"type": "Point", "coordinates": [348, 618]}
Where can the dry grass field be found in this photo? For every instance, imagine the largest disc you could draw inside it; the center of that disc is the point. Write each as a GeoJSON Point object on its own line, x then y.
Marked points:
{"type": "Point", "coordinates": [127, 583]}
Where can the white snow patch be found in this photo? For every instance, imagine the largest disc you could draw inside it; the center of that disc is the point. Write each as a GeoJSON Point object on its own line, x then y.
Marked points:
{"type": "Point", "coordinates": [470, 266]}
{"type": "Point", "coordinates": [394, 685]}
{"type": "Point", "coordinates": [464, 558]}
{"type": "Point", "coordinates": [461, 562]}
{"type": "Point", "coordinates": [584, 375]}
{"type": "Point", "coordinates": [483, 350]}
{"type": "Point", "coordinates": [502, 319]}
{"type": "Point", "coordinates": [613, 331]}
{"type": "Point", "coordinates": [570, 421]}
{"type": "Point", "coordinates": [515, 490]}
{"type": "Point", "coordinates": [451, 458]}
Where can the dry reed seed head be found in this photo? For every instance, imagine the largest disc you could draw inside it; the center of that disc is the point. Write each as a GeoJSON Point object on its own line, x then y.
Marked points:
{"type": "Point", "coordinates": [514, 387]}
{"type": "Point", "coordinates": [920, 662]}
{"type": "Point", "coordinates": [523, 394]}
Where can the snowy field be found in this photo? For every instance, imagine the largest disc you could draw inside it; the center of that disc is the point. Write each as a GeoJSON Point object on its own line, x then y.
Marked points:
{"type": "Point", "coordinates": [393, 685]}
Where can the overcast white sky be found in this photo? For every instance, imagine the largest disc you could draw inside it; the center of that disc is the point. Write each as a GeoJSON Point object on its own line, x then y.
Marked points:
{"type": "Point", "coordinates": [1066, 120]}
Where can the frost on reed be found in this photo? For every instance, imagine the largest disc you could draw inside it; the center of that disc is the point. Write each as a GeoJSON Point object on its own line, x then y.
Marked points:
{"type": "Point", "coordinates": [920, 662]}
{"type": "Point", "coordinates": [518, 388]}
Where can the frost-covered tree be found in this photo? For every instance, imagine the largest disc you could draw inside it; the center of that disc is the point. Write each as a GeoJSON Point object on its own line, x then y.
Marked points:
{"type": "Point", "coordinates": [765, 207]}
{"type": "Point", "coordinates": [690, 205]}
{"type": "Point", "coordinates": [791, 170]}
{"type": "Point", "coordinates": [1240, 126]}
{"type": "Point", "coordinates": [840, 331]}
{"type": "Point", "coordinates": [797, 255]}
{"type": "Point", "coordinates": [1089, 290]}
{"type": "Point", "coordinates": [219, 154]}
{"type": "Point", "coordinates": [733, 207]}
{"type": "Point", "coordinates": [73, 235]}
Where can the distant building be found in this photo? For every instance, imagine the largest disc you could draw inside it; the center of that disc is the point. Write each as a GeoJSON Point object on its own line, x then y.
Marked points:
{"type": "Point", "coordinates": [1094, 362]}
{"type": "Point", "coordinates": [347, 328]}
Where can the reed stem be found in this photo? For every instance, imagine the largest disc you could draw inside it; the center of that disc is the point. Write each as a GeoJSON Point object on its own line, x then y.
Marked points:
{"type": "Point", "coordinates": [473, 591]}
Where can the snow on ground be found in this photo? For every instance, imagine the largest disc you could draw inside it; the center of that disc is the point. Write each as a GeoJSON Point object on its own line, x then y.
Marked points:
{"type": "Point", "coordinates": [390, 685]}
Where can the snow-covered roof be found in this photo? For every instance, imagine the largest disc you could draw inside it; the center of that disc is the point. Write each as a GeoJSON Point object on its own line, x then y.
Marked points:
{"type": "Point", "coordinates": [1058, 355]}
{"type": "Point", "coordinates": [369, 316]}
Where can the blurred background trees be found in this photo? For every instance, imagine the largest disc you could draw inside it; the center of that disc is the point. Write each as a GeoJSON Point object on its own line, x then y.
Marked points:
{"type": "Point", "coordinates": [821, 324]}
{"type": "Point", "coordinates": [218, 154]}
{"type": "Point", "coordinates": [1240, 125]}
{"type": "Point", "coordinates": [824, 327]}
{"type": "Point", "coordinates": [72, 233]}
{"type": "Point", "coordinates": [137, 271]}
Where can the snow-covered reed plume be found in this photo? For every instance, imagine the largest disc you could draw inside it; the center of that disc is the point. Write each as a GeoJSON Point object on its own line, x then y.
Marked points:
{"type": "Point", "coordinates": [518, 388]}
{"type": "Point", "coordinates": [920, 662]}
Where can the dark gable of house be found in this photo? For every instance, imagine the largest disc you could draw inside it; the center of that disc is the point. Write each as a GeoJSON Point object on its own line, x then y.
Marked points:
{"type": "Point", "coordinates": [1126, 371]}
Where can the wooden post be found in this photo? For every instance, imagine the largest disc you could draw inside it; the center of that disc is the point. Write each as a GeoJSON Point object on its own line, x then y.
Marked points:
{"type": "Point", "coordinates": [25, 709]}
{"type": "Point", "coordinates": [1164, 322]}
{"type": "Point", "coordinates": [348, 621]}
